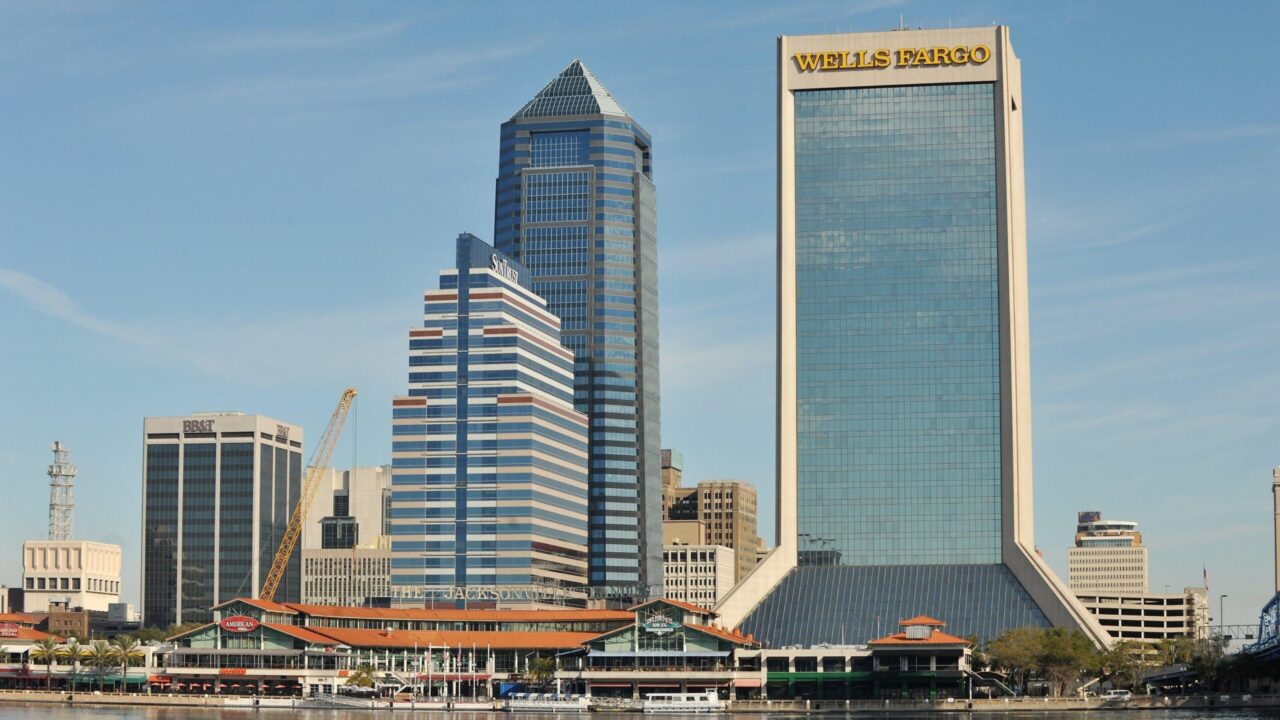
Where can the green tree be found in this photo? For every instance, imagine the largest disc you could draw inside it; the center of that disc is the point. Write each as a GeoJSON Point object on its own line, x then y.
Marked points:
{"type": "Point", "coordinates": [100, 656]}
{"type": "Point", "coordinates": [362, 676]}
{"type": "Point", "coordinates": [1017, 652]}
{"type": "Point", "coordinates": [47, 651]}
{"type": "Point", "coordinates": [128, 651]}
{"type": "Point", "coordinates": [1064, 656]}
{"type": "Point", "coordinates": [1123, 663]}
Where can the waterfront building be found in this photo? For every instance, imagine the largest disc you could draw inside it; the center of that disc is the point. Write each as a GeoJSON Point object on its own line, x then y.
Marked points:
{"type": "Point", "coordinates": [218, 490]}
{"type": "Point", "coordinates": [904, 401]}
{"type": "Point", "coordinates": [489, 457]}
{"type": "Point", "coordinates": [683, 532]}
{"type": "Point", "coordinates": [349, 509]}
{"type": "Point", "coordinates": [354, 576]}
{"type": "Point", "coordinates": [1108, 557]}
{"type": "Point", "coordinates": [697, 573]}
{"type": "Point", "coordinates": [575, 203]}
{"type": "Point", "coordinates": [75, 572]}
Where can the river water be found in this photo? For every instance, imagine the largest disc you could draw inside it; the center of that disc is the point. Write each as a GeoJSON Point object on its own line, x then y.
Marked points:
{"type": "Point", "coordinates": [45, 712]}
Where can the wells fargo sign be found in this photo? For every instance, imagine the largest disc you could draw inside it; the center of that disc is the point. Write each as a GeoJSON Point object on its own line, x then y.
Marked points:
{"type": "Point", "coordinates": [239, 624]}
{"type": "Point", "coordinates": [883, 58]}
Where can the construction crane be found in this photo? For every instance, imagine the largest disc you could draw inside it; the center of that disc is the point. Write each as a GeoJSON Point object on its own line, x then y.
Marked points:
{"type": "Point", "coordinates": [319, 463]}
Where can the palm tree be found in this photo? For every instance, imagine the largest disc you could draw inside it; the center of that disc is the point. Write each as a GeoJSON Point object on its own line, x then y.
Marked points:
{"type": "Point", "coordinates": [47, 651]}
{"type": "Point", "coordinates": [127, 650]}
{"type": "Point", "coordinates": [75, 653]}
{"type": "Point", "coordinates": [100, 656]}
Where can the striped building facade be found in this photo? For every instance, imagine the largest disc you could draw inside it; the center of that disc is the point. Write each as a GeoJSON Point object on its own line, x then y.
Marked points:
{"type": "Point", "coordinates": [489, 457]}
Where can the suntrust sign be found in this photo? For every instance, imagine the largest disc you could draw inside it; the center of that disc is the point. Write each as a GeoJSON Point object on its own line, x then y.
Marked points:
{"type": "Point", "coordinates": [883, 58]}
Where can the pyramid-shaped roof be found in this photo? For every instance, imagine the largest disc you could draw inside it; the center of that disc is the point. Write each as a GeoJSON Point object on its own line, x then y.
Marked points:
{"type": "Point", "coordinates": [575, 91]}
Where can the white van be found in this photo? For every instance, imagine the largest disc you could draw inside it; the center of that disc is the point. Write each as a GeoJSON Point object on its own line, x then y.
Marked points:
{"type": "Point", "coordinates": [1117, 695]}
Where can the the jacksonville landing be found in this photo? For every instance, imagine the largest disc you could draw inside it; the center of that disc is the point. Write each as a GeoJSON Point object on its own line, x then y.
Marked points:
{"type": "Point", "coordinates": [575, 204]}
{"type": "Point", "coordinates": [904, 399]}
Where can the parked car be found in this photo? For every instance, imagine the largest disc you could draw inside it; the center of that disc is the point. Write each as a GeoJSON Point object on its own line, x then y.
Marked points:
{"type": "Point", "coordinates": [1121, 695]}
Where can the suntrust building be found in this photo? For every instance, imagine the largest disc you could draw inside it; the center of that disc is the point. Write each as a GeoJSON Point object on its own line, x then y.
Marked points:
{"type": "Point", "coordinates": [904, 418]}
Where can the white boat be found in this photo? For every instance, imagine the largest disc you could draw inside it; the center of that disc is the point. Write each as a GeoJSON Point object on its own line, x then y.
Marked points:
{"type": "Point", "coordinates": [706, 702]}
{"type": "Point", "coordinates": [547, 702]}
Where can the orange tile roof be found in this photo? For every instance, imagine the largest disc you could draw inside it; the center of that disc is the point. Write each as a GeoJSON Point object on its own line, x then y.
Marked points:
{"type": "Point", "coordinates": [730, 635]}
{"type": "Point", "coordinates": [305, 634]}
{"type": "Point", "coordinates": [454, 615]}
{"type": "Point", "coordinates": [18, 618]}
{"type": "Point", "coordinates": [361, 638]}
{"type": "Point", "coordinates": [680, 604]}
{"type": "Point", "coordinates": [267, 605]}
{"type": "Point", "coordinates": [937, 637]}
{"type": "Point", "coordinates": [31, 635]}
{"type": "Point", "coordinates": [922, 620]}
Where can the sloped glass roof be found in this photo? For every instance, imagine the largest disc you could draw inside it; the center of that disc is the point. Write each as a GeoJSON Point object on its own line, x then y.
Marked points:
{"type": "Point", "coordinates": [575, 91]}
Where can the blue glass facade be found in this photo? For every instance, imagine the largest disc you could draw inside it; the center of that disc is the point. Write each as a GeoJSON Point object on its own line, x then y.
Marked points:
{"type": "Point", "coordinates": [575, 203]}
{"type": "Point", "coordinates": [897, 326]}
{"type": "Point", "coordinates": [489, 458]}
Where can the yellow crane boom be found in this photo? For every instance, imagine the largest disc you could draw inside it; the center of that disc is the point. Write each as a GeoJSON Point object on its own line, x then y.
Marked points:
{"type": "Point", "coordinates": [319, 463]}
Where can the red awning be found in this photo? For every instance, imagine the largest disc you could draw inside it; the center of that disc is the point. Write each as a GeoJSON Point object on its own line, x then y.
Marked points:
{"type": "Point", "coordinates": [600, 684]}
{"type": "Point", "coordinates": [747, 682]}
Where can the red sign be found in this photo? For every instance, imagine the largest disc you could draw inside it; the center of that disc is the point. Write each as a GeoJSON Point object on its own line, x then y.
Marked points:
{"type": "Point", "coordinates": [239, 624]}
{"type": "Point", "coordinates": [232, 671]}
{"type": "Point", "coordinates": [8, 630]}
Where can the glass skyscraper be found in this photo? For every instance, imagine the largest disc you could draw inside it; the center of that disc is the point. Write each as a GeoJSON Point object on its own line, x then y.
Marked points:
{"type": "Point", "coordinates": [904, 399]}
{"type": "Point", "coordinates": [489, 458]}
{"type": "Point", "coordinates": [217, 490]}
{"type": "Point", "coordinates": [575, 204]}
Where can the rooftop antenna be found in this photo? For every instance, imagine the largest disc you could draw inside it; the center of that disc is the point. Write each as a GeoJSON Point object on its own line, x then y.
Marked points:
{"type": "Point", "coordinates": [901, 22]}
{"type": "Point", "coordinates": [62, 475]}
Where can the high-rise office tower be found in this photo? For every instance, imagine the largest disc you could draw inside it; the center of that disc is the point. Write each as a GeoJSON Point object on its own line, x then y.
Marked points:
{"type": "Point", "coordinates": [489, 458]}
{"type": "Point", "coordinates": [904, 401]}
{"type": "Point", "coordinates": [217, 493]}
{"type": "Point", "coordinates": [575, 204]}
{"type": "Point", "coordinates": [1108, 556]}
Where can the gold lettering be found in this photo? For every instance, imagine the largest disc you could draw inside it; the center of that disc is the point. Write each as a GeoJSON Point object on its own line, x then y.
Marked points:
{"type": "Point", "coordinates": [807, 61]}
{"type": "Point", "coordinates": [881, 58]}
{"type": "Point", "coordinates": [862, 60]}
{"type": "Point", "coordinates": [844, 61]}
{"type": "Point", "coordinates": [905, 55]}
{"type": "Point", "coordinates": [960, 55]}
{"type": "Point", "coordinates": [941, 56]}
{"type": "Point", "coordinates": [979, 50]}
{"type": "Point", "coordinates": [921, 58]}
{"type": "Point", "coordinates": [829, 60]}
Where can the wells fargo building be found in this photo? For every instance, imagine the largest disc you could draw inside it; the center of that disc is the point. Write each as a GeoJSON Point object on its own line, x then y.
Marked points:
{"type": "Point", "coordinates": [904, 446]}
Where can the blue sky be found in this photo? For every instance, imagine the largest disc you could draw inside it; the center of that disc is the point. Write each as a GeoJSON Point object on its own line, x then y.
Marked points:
{"type": "Point", "coordinates": [237, 206]}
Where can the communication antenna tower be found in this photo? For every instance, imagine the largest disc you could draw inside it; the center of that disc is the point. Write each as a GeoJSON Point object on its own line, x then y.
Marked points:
{"type": "Point", "coordinates": [62, 475]}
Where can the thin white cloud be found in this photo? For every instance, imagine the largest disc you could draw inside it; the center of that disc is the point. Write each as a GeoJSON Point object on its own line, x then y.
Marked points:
{"type": "Point", "coordinates": [292, 347]}
{"type": "Point", "coordinates": [314, 38]}
{"type": "Point", "coordinates": [1193, 136]}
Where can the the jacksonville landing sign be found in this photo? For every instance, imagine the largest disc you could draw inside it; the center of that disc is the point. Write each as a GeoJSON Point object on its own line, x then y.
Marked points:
{"type": "Point", "coordinates": [516, 593]}
{"type": "Point", "coordinates": [883, 58]}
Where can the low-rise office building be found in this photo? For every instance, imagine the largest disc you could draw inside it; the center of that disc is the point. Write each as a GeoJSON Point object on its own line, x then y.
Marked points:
{"type": "Point", "coordinates": [358, 576]}
{"type": "Point", "coordinates": [700, 574]}
{"type": "Point", "coordinates": [77, 573]}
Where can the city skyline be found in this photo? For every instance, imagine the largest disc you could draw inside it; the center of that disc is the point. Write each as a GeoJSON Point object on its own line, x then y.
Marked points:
{"type": "Point", "coordinates": [1147, 406]}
